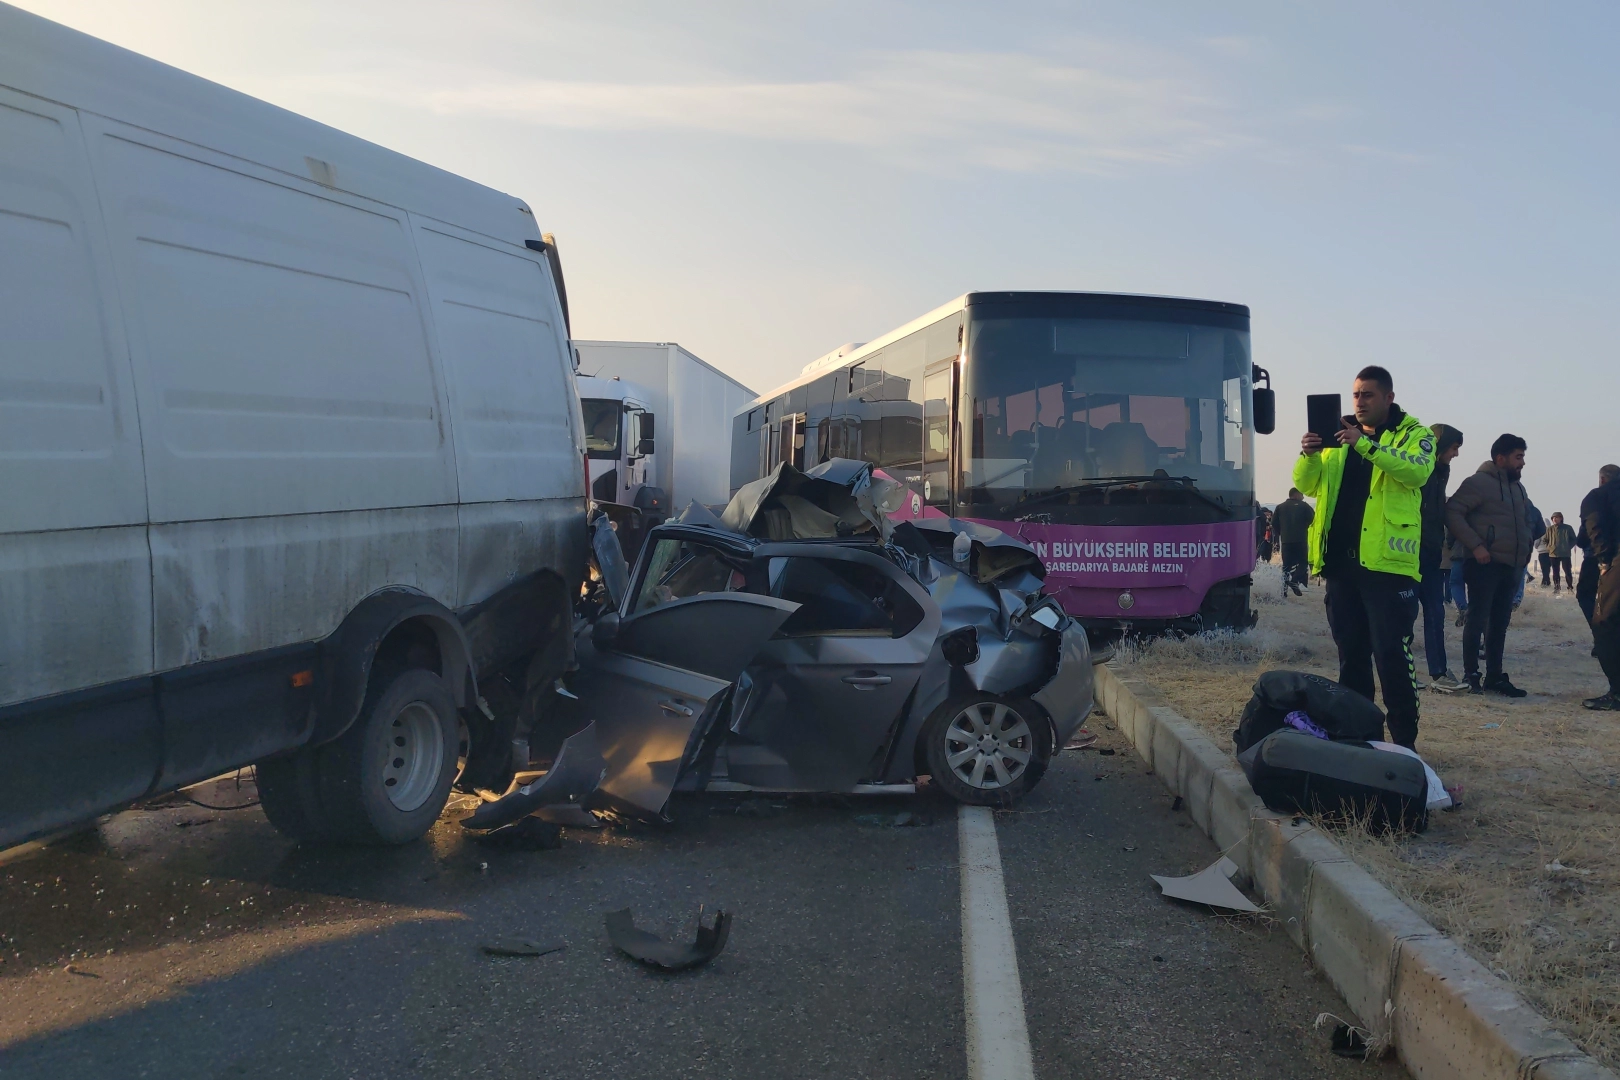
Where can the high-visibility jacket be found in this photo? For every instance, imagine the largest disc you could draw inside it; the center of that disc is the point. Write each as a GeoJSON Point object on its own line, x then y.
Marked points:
{"type": "Point", "coordinates": [1392, 523]}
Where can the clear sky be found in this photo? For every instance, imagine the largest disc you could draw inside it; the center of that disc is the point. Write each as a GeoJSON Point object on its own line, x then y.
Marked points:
{"type": "Point", "coordinates": [1426, 186]}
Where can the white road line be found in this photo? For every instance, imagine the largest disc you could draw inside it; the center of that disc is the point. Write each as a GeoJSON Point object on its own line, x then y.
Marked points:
{"type": "Point", "coordinates": [997, 1038]}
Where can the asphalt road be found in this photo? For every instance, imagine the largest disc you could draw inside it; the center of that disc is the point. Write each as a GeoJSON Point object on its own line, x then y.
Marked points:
{"type": "Point", "coordinates": [184, 942]}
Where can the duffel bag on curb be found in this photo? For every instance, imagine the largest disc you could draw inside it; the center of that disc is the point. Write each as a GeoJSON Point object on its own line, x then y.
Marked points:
{"type": "Point", "coordinates": [1341, 712]}
{"type": "Point", "coordinates": [1294, 773]}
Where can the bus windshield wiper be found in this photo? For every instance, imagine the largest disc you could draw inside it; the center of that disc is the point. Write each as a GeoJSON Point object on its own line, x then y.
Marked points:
{"type": "Point", "coordinates": [1181, 483]}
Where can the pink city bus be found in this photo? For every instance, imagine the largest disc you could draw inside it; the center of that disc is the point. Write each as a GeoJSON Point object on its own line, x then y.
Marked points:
{"type": "Point", "coordinates": [1112, 433]}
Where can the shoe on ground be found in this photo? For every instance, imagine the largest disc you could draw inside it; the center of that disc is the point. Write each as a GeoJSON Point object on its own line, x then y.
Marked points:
{"type": "Point", "coordinates": [1419, 684]}
{"type": "Point", "coordinates": [1297, 590]}
{"type": "Point", "coordinates": [1447, 684]}
{"type": "Point", "coordinates": [1462, 616]}
{"type": "Point", "coordinates": [1501, 685]}
{"type": "Point", "coordinates": [1609, 702]}
{"type": "Point", "coordinates": [1471, 681]}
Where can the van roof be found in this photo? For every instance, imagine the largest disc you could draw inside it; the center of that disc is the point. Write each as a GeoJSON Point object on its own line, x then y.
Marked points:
{"type": "Point", "coordinates": [51, 61]}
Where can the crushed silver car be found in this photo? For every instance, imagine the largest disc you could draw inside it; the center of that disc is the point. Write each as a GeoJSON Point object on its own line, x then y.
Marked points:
{"type": "Point", "coordinates": [802, 641]}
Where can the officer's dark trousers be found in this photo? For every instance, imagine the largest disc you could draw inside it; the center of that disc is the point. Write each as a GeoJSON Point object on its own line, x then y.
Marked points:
{"type": "Point", "coordinates": [1490, 607]}
{"type": "Point", "coordinates": [1371, 616]}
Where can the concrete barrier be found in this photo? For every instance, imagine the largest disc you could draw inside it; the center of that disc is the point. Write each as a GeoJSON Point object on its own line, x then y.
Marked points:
{"type": "Point", "coordinates": [1446, 1015]}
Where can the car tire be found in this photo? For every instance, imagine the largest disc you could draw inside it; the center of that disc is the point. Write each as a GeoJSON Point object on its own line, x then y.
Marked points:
{"type": "Point", "coordinates": [995, 730]}
{"type": "Point", "coordinates": [386, 779]}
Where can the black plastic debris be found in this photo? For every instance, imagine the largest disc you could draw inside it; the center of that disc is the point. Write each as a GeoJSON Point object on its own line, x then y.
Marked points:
{"type": "Point", "coordinates": [530, 834]}
{"type": "Point", "coordinates": [1348, 1042]}
{"type": "Point", "coordinates": [668, 955]}
{"type": "Point", "coordinates": [905, 819]}
{"type": "Point", "coordinates": [519, 947]}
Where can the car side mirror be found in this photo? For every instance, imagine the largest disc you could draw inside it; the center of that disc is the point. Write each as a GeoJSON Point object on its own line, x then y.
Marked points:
{"type": "Point", "coordinates": [644, 445]}
{"type": "Point", "coordinates": [606, 630]}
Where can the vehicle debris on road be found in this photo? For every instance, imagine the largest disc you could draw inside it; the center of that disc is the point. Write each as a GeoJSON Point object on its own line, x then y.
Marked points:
{"type": "Point", "coordinates": [519, 947]}
{"type": "Point", "coordinates": [1211, 885]}
{"type": "Point", "coordinates": [654, 951]}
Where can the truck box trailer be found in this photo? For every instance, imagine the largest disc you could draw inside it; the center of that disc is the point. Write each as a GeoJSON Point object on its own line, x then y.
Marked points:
{"type": "Point", "coordinates": [669, 396]}
{"type": "Point", "coordinates": [290, 454]}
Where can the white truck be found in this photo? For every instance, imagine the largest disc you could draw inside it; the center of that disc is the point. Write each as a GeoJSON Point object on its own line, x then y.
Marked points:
{"type": "Point", "coordinates": [291, 458]}
{"type": "Point", "coordinates": [657, 425]}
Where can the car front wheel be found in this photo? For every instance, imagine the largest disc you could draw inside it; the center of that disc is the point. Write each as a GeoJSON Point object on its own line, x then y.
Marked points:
{"type": "Point", "coordinates": [986, 750]}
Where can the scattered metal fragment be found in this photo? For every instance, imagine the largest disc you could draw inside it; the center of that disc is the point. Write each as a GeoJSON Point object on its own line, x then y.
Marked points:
{"type": "Point", "coordinates": [905, 819]}
{"type": "Point", "coordinates": [569, 815]}
{"type": "Point", "coordinates": [1081, 740]}
{"type": "Point", "coordinates": [668, 955]}
{"type": "Point", "coordinates": [1212, 886]}
{"type": "Point", "coordinates": [519, 947]}
{"type": "Point", "coordinates": [530, 834]}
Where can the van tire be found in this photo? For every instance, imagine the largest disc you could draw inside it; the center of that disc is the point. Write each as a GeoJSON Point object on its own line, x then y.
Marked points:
{"type": "Point", "coordinates": [289, 797]}
{"type": "Point", "coordinates": [386, 779]}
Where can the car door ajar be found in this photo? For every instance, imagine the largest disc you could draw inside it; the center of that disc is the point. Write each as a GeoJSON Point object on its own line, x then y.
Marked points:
{"type": "Point", "coordinates": [686, 637]}
{"type": "Point", "coordinates": [828, 691]}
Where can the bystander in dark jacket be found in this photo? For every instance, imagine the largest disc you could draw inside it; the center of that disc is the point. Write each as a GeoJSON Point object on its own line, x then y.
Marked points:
{"type": "Point", "coordinates": [1490, 517]}
{"type": "Point", "coordinates": [1434, 567]}
{"type": "Point", "coordinates": [1600, 522]}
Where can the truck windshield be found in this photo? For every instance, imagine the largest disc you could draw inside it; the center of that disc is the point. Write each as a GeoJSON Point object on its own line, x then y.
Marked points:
{"type": "Point", "coordinates": [1076, 416]}
{"type": "Point", "coordinates": [602, 426]}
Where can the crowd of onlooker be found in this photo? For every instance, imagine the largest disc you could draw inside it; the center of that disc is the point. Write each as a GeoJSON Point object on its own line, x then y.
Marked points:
{"type": "Point", "coordinates": [1388, 540]}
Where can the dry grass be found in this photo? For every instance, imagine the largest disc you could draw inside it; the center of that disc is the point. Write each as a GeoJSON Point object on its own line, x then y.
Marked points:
{"type": "Point", "coordinates": [1541, 785]}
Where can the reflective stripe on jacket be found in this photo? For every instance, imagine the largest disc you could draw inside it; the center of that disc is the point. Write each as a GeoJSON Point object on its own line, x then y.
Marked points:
{"type": "Point", "coordinates": [1392, 523]}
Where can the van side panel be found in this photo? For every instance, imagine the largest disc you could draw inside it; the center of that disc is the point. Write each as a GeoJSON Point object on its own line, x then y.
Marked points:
{"type": "Point", "coordinates": [500, 340]}
{"type": "Point", "coordinates": [278, 342]}
{"type": "Point", "coordinates": [296, 442]}
{"type": "Point", "coordinates": [75, 573]}
{"type": "Point", "coordinates": [513, 407]}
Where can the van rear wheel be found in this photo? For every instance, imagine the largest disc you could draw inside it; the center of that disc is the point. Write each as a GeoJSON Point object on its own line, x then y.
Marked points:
{"type": "Point", "coordinates": [386, 780]}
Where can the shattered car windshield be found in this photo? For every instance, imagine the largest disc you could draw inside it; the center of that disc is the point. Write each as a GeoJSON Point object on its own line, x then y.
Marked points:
{"type": "Point", "coordinates": [679, 569]}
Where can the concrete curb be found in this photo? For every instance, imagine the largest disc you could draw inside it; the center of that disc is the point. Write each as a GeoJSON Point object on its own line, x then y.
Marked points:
{"type": "Point", "coordinates": [1447, 1016]}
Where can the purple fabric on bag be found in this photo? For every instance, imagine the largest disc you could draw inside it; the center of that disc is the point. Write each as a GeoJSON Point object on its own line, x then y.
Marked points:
{"type": "Point", "coordinates": [1299, 720]}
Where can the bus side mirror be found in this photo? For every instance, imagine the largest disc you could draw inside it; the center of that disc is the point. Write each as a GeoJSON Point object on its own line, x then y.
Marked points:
{"type": "Point", "coordinates": [1265, 401]}
{"type": "Point", "coordinates": [644, 445]}
{"type": "Point", "coordinates": [1265, 410]}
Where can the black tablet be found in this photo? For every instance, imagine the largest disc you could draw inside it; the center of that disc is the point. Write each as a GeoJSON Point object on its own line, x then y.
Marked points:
{"type": "Point", "coordinates": [1323, 416]}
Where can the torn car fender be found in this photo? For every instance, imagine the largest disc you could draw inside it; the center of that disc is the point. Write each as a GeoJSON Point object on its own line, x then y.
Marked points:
{"type": "Point", "coordinates": [577, 771]}
{"type": "Point", "coordinates": [1067, 698]}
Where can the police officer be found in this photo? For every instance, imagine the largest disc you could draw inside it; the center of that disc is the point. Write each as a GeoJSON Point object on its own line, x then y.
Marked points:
{"type": "Point", "coordinates": [1365, 539]}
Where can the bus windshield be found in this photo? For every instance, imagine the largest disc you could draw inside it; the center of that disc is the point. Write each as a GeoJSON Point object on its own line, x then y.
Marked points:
{"type": "Point", "coordinates": [1093, 420]}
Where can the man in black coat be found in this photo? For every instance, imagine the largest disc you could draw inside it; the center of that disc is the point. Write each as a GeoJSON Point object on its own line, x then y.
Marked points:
{"type": "Point", "coordinates": [1600, 523]}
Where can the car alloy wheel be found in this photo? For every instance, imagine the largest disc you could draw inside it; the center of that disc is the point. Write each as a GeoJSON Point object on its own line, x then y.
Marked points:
{"type": "Point", "coordinates": [988, 745]}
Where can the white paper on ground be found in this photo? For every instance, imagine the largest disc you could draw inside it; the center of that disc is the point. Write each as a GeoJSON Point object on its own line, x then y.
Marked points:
{"type": "Point", "coordinates": [1211, 885]}
{"type": "Point", "coordinates": [1439, 798]}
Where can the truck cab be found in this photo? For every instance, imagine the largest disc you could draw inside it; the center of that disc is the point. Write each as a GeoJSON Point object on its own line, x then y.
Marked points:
{"type": "Point", "coordinates": [620, 447]}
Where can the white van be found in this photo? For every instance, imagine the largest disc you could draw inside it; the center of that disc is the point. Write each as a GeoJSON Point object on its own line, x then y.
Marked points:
{"type": "Point", "coordinates": [291, 458]}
